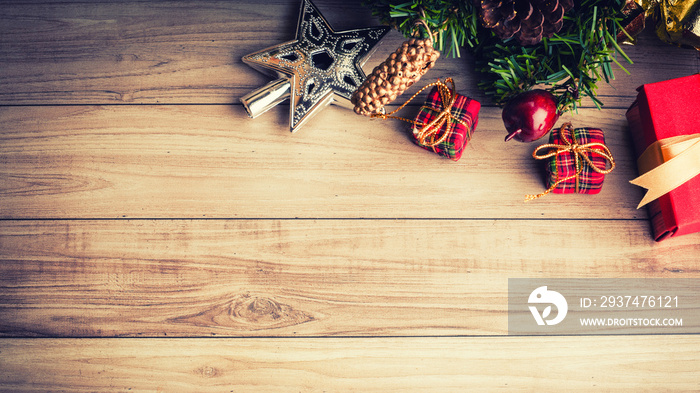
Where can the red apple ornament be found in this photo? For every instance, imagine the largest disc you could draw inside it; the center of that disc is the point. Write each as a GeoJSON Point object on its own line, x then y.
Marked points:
{"type": "Point", "coordinates": [530, 115]}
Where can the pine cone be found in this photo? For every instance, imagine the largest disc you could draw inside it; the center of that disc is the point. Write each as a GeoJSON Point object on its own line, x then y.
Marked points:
{"type": "Point", "coordinates": [526, 20]}
{"type": "Point", "coordinates": [393, 76]}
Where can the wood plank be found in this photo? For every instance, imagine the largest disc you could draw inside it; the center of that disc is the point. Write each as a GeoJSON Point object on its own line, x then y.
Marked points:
{"type": "Point", "coordinates": [631, 363]}
{"type": "Point", "coordinates": [189, 52]}
{"type": "Point", "coordinates": [226, 256]}
{"type": "Point", "coordinates": [144, 52]}
{"type": "Point", "coordinates": [212, 161]}
{"type": "Point", "coordinates": [303, 277]}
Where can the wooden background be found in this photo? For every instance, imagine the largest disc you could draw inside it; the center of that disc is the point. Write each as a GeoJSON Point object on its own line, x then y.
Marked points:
{"type": "Point", "coordinates": [153, 238]}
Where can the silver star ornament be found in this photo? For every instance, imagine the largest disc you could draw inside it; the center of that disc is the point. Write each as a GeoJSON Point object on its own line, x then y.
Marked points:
{"type": "Point", "coordinates": [319, 67]}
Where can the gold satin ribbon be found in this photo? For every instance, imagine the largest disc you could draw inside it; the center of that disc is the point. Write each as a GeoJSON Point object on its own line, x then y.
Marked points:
{"type": "Point", "coordinates": [580, 157]}
{"type": "Point", "coordinates": [428, 134]}
{"type": "Point", "coordinates": [666, 164]}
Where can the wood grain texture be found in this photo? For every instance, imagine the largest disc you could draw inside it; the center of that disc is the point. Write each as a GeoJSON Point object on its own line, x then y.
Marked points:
{"type": "Point", "coordinates": [212, 161]}
{"type": "Point", "coordinates": [303, 277]}
{"type": "Point", "coordinates": [635, 363]}
{"type": "Point", "coordinates": [113, 113]}
{"type": "Point", "coordinates": [189, 52]}
{"type": "Point", "coordinates": [143, 52]}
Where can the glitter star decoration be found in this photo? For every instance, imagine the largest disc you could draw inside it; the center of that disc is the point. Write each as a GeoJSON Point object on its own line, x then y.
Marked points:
{"type": "Point", "coordinates": [319, 67]}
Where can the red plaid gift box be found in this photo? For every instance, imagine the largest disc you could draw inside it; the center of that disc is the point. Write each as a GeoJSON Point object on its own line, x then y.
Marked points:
{"type": "Point", "coordinates": [443, 128]}
{"type": "Point", "coordinates": [576, 160]}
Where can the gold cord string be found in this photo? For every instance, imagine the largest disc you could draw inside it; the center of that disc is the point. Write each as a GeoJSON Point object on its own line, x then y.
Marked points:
{"type": "Point", "coordinates": [427, 135]}
{"type": "Point", "coordinates": [421, 21]}
{"type": "Point", "coordinates": [440, 28]}
{"type": "Point", "coordinates": [579, 152]}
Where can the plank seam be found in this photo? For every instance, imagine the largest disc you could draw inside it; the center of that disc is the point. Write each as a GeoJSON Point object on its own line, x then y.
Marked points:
{"type": "Point", "coordinates": [317, 219]}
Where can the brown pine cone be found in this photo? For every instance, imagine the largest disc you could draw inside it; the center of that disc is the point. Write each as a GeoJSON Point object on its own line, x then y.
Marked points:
{"type": "Point", "coordinates": [392, 77]}
{"type": "Point", "coordinates": [526, 20]}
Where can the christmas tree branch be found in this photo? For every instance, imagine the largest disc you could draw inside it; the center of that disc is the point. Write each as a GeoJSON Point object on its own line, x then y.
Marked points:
{"type": "Point", "coordinates": [568, 64]}
{"type": "Point", "coordinates": [453, 22]}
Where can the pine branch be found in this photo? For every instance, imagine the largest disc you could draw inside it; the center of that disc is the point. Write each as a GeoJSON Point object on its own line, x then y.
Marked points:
{"type": "Point", "coordinates": [569, 64]}
{"type": "Point", "coordinates": [453, 22]}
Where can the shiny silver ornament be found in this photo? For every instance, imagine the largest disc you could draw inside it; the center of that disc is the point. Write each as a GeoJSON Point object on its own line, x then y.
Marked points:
{"type": "Point", "coordinates": [318, 68]}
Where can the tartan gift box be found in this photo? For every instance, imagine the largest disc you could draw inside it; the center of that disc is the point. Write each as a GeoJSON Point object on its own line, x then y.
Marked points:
{"type": "Point", "coordinates": [446, 132]}
{"type": "Point", "coordinates": [576, 161]}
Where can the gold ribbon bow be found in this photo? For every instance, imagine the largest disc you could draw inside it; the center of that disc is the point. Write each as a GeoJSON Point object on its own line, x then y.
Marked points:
{"type": "Point", "coordinates": [580, 158]}
{"type": "Point", "coordinates": [666, 164]}
{"type": "Point", "coordinates": [428, 135]}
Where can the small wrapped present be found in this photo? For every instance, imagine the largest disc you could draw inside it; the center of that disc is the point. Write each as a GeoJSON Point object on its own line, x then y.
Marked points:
{"type": "Point", "coordinates": [676, 22]}
{"type": "Point", "coordinates": [576, 160]}
{"type": "Point", "coordinates": [446, 122]}
{"type": "Point", "coordinates": [679, 23]}
{"type": "Point", "coordinates": [664, 122]}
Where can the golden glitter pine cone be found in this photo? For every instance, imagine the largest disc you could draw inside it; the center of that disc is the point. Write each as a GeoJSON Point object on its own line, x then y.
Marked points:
{"type": "Point", "coordinates": [392, 77]}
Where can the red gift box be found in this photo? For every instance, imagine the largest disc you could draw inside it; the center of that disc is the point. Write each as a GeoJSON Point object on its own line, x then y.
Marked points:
{"type": "Point", "coordinates": [563, 175]}
{"type": "Point", "coordinates": [450, 135]}
{"type": "Point", "coordinates": [665, 110]}
{"type": "Point", "coordinates": [577, 161]}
